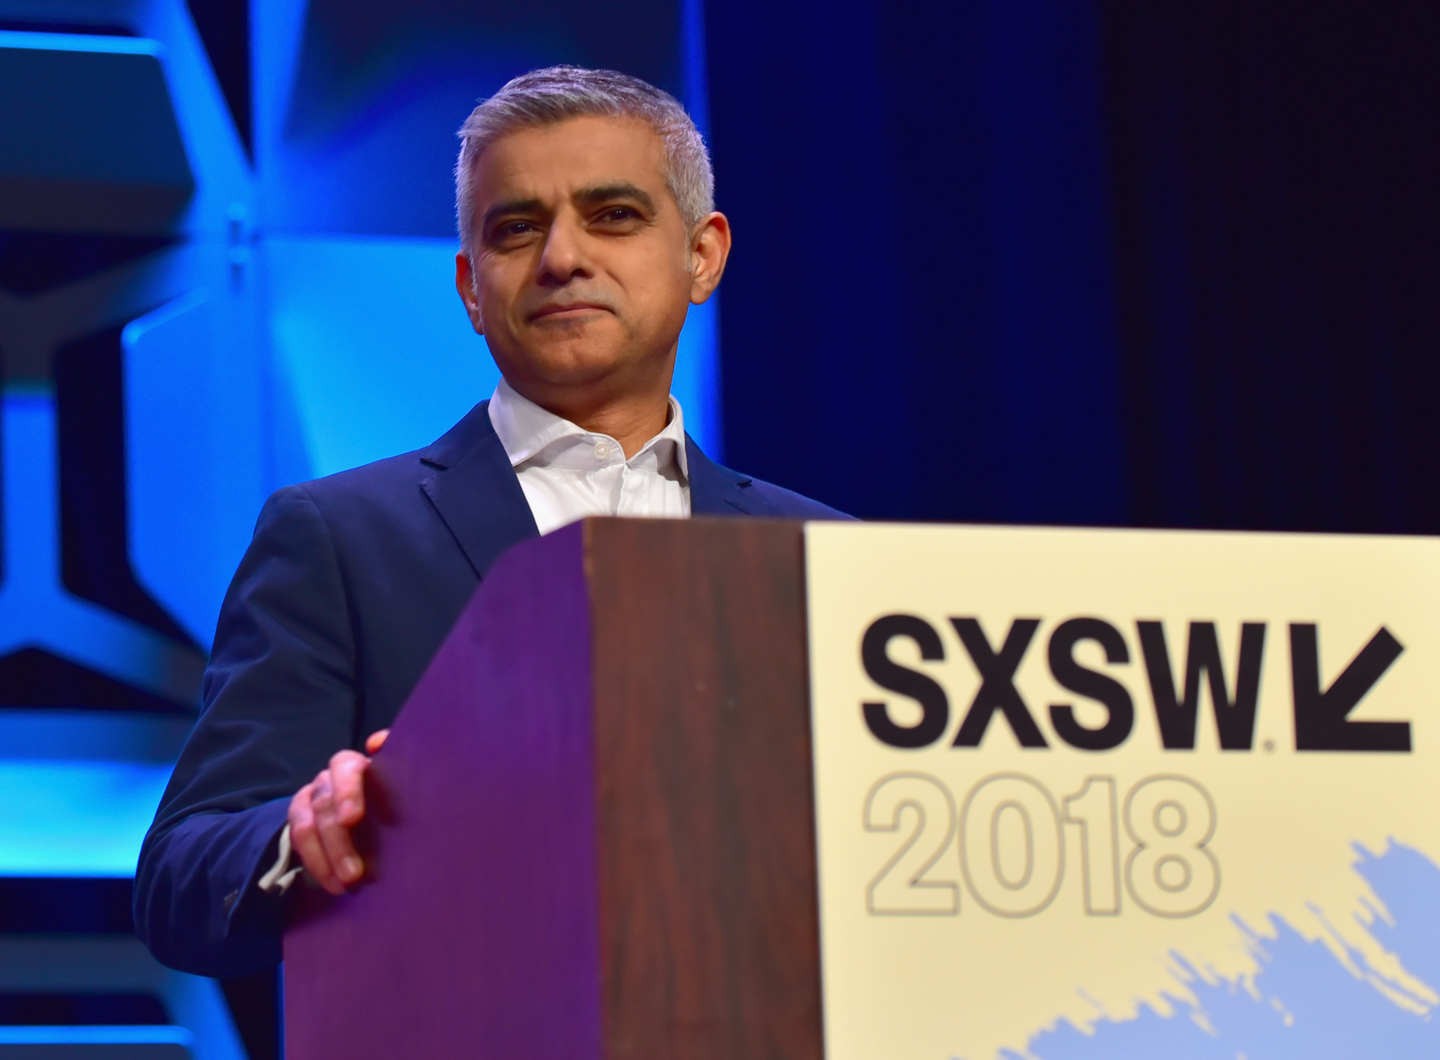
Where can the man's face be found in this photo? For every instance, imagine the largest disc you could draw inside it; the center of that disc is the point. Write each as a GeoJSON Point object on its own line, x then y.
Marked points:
{"type": "Point", "coordinates": [583, 267]}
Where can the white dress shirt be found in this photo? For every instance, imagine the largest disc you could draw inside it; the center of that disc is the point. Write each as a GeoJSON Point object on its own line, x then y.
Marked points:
{"type": "Point", "coordinates": [568, 473]}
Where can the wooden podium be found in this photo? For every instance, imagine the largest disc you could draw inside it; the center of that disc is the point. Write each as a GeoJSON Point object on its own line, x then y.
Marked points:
{"type": "Point", "coordinates": [591, 833]}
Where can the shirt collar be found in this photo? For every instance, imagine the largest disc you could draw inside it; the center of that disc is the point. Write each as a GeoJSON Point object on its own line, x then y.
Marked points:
{"type": "Point", "coordinates": [526, 430]}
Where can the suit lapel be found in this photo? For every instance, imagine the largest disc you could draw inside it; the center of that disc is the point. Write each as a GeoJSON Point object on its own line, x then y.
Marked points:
{"type": "Point", "coordinates": [716, 490]}
{"type": "Point", "coordinates": [476, 494]}
{"type": "Point", "coordinates": [475, 491]}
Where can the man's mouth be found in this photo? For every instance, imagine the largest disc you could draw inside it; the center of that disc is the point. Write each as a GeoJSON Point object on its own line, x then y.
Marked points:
{"type": "Point", "coordinates": [562, 310]}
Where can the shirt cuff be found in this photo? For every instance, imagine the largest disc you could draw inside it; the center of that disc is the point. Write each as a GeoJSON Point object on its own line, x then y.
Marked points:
{"type": "Point", "coordinates": [281, 875]}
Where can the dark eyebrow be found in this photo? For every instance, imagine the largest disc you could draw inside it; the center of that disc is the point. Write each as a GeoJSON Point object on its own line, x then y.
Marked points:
{"type": "Point", "coordinates": [603, 193]}
{"type": "Point", "coordinates": [500, 209]}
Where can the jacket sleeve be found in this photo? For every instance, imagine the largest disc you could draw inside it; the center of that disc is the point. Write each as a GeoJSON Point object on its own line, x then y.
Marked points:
{"type": "Point", "coordinates": [280, 697]}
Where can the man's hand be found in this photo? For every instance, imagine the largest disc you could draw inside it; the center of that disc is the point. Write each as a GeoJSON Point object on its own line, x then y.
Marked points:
{"type": "Point", "coordinates": [323, 812]}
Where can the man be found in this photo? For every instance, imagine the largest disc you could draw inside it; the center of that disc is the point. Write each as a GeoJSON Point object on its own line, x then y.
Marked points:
{"type": "Point", "coordinates": [584, 201]}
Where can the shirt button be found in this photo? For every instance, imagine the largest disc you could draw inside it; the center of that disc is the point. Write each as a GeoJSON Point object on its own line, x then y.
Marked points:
{"type": "Point", "coordinates": [602, 450]}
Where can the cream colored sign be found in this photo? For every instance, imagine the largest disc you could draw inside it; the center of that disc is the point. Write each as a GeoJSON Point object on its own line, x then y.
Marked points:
{"type": "Point", "coordinates": [1079, 785]}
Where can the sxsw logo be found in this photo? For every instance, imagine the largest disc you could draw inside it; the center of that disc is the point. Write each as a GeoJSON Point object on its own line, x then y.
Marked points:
{"type": "Point", "coordinates": [1322, 721]}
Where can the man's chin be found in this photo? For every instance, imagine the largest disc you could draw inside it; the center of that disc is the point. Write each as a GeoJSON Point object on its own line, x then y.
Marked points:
{"type": "Point", "coordinates": [573, 364]}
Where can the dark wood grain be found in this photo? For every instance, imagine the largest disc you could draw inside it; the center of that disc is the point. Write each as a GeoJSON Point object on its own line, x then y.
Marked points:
{"type": "Point", "coordinates": [709, 926]}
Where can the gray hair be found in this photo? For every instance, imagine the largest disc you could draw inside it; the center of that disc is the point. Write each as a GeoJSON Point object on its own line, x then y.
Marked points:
{"type": "Point", "coordinates": [544, 97]}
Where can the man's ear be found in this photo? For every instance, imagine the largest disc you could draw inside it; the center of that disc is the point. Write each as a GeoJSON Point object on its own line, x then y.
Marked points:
{"type": "Point", "coordinates": [465, 287]}
{"type": "Point", "coordinates": [709, 250]}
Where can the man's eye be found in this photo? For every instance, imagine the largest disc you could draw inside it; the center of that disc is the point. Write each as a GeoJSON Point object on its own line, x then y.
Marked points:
{"type": "Point", "coordinates": [617, 214]}
{"type": "Point", "coordinates": [515, 228]}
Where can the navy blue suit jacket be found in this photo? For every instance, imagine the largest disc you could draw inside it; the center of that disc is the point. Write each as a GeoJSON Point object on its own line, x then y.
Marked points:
{"type": "Point", "coordinates": [347, 590]}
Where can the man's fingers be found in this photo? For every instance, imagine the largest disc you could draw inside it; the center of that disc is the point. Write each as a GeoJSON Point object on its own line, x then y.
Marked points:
{"type": "Point", "coordinates": [340, 852]}
{"type": "Point", "coordinates": [323, 812]}
{"type": "Point", "coordinates": [347, 779]}
{"type": "Point", "coordinates": [375, 741]}
{"type": "Point", "coordinates": [333, 831]}
{"type": "Point", "coordinates": [305, 841]}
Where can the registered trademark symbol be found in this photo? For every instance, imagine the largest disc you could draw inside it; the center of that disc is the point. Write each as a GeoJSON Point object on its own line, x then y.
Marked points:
{"type": "Point", "coordinates": [1269, 746]}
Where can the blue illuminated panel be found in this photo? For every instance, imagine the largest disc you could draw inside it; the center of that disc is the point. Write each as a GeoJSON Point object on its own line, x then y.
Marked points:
{"type": "Point", "coordinates": [374, 343]}
{"type": "Point", "coordinates": [177, 1037]}
{"type": "Point", "coordinates": [78, 788]}
{"type": "Point", "coordinates": [76, 818]}
{"type": "Point", "coordinates": [76, 42]}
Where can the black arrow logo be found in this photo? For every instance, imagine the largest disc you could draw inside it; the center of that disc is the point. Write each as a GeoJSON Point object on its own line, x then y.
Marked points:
{"type": "Point", "coordinates": [1321, 717]}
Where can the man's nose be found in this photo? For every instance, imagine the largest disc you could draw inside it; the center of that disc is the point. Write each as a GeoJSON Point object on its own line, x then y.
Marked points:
{"type": "Point", "coordinates": [563, 258]}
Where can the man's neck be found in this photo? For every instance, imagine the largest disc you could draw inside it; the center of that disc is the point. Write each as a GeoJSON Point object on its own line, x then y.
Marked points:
{"type": "Point", "coordinates": [631, 419]}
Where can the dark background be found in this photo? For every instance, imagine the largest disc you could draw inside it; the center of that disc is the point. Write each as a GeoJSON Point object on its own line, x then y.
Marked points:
{"type": "Point", "coordinates": [1004, 260]}
{"type": "Point", "coordinates": [1111, 263]}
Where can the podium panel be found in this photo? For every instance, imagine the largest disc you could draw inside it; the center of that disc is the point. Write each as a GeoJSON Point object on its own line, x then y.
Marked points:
{"type": "Point", "coordinates": [1071, 794]}
{"type": "Point", "coordinates": [591, 831]}
{"type": "Point", "coordinates": [1098, 794]}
